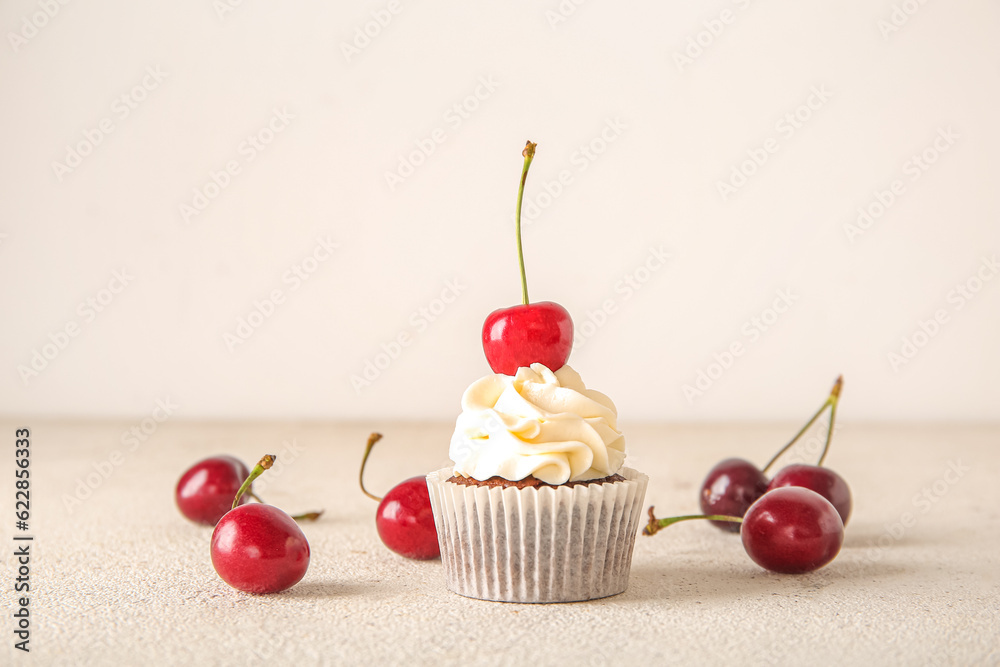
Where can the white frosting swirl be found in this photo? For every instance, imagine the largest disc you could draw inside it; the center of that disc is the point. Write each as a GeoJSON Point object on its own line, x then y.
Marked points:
{"type": "Point", "coordinates": [537, 423]}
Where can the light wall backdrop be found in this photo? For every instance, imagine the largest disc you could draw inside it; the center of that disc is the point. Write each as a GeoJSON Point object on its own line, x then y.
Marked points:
{"type": "Point", "coordinates": [250, 209]}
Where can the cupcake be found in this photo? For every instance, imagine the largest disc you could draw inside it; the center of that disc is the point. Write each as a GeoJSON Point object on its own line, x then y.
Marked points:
{"type": "Point", "coordinates": [537, 506]}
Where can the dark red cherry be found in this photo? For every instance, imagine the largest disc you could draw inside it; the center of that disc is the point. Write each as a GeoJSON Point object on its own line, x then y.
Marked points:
{"type": "Point", "coordinates": [823, 481]}
{"type": "Point", "coordinates": [405, 522]}
{"type": "Point", "coordinates": [730, 488]}
{"type": "Point", "coordinates": [792, 530]}
{"type": "Point", "coordinates": [258, 548]}
{"type": "Point", "coordinates": [522, 335]}
{"type": "Point", "coordinates": [205, 492]}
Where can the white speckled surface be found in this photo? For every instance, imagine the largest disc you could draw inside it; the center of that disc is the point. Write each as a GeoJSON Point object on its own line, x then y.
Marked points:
{"type": "Point", "coordinates": [124, 579]}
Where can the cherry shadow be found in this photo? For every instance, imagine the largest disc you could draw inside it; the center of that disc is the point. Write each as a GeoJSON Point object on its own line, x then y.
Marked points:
{"type": "Point", "coordinates": [329, 589]}
{"type": "Point", "coordinates": [710, 582]}
{"type": "Point", "coordinates": [879, 536]}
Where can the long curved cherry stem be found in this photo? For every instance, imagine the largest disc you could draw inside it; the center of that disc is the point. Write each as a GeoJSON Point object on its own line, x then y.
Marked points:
{"type": "Point", "coordinates": [529, 155]}
{"type": "Point", "coordinates": [655, 524]}
{"type": "Point", "coordinates": [257, 471]}
{"type": "Point", "coordinates": [830, 402]}
{"type": "Point", "coordinates": [372, 439]}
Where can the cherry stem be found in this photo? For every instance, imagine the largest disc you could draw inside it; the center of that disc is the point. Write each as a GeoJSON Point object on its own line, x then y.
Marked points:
{"type": "Point", "coordinates": [372, 439]}
{"type": "Point", "coordinates": [257, 471]}
{"type": "Point", "coordinates": [830, 402]}
{"type": "Point", "coordinates": [834, 400]}
{"type": "Point", "coordinates": [655, 524]}
{"type": "Point", "coordinates": [529, 155]}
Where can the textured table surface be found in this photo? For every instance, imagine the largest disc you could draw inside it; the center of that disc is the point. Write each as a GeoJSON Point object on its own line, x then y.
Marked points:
{"type": "Point", "coordinates": [119, 577]}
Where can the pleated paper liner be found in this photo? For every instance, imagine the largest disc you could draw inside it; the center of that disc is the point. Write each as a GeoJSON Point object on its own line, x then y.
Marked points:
{"type": "Point", "coordinates": [541, 544]}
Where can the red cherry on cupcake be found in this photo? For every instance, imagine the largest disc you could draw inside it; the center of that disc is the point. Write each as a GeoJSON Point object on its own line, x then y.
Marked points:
{"type": "Point", "coordinates": [530, 332]}
{"type": "Point", "coordinates": [258, 548]}
{"type": "Point", "coordinates": [205, 491]}
{"type": "Point", "coordinates": [404, 520]}
{"type": "Point", "coordinates": [523, 335]}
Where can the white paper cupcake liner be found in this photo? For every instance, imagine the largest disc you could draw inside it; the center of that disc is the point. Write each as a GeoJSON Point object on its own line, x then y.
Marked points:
{"type": "Point", "coordinates": [544, 544]}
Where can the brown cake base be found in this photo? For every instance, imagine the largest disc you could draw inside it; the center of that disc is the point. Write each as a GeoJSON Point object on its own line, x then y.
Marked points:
{"type": "Point", "coordinates": [528, 482]}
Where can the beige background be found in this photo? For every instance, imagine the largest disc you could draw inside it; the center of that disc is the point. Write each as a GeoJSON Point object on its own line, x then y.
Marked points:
{"type": "Point", "coordinates": [885, 86]}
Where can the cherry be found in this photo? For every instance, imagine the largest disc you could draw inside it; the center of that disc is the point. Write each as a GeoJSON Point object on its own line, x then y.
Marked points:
{"type": "Point", "coordinates": [404, 519]}
{"type": "Point", "coordinates": [823, 481]}
{"type": "Point", "coordinates": [792, 530]}
{"type": "Point", "coordinates": [205, 492]}
{"type": "Point", "coordinates": [734, 484]}
{"type": "Point", "coordinates": [258, 548]}
{"type": "Point", "coordinates": [405, 522]}
{"type": "Point", "coordinates": [730, 488]}
{"type": "Point", "coordinates": [530, 332]}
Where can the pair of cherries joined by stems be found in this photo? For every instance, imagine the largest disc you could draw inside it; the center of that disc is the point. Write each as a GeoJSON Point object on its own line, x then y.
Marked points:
{"type": "Point", "coordinates": [792, 523]}
{"type": "Point", "coordinates": [512, 338]}
{"type": "Point", "coordinates": [256, 547]}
